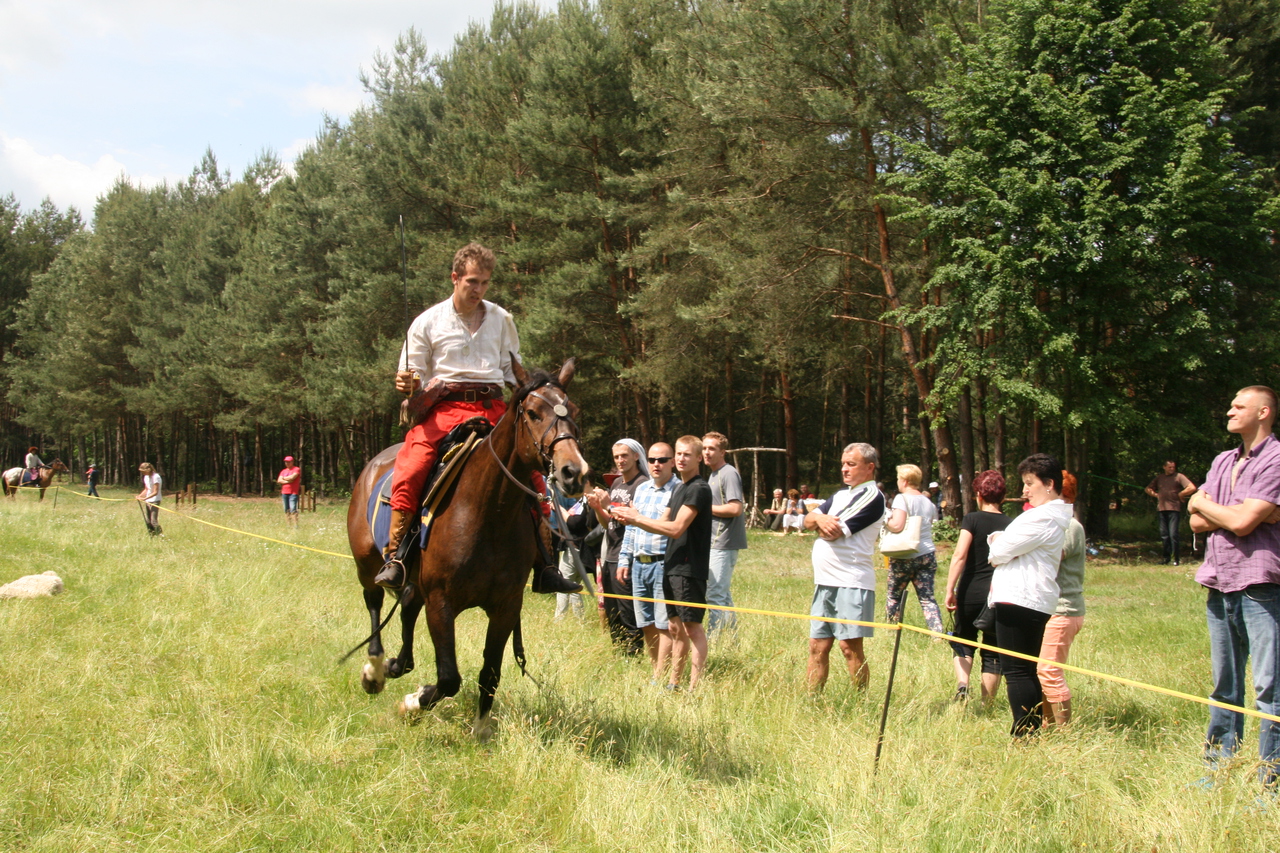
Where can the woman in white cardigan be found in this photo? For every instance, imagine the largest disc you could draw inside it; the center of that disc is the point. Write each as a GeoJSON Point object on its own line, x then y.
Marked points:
{"type": "Point", "coordinates": [1024, 586]}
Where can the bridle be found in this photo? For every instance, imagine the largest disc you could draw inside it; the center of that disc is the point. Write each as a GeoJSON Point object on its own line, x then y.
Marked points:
{"type": "Point", "coordinates": [561, 412]}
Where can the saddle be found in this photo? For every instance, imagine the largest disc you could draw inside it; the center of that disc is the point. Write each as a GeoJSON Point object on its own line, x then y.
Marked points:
{"type": "Point", "coordinates": [453, 452]}
{"type": "Point", "coordinates": [29, 477]}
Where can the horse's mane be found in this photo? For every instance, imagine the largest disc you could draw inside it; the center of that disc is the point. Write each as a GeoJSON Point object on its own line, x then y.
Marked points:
{"type": "Point", "coordinates": [536, 379]}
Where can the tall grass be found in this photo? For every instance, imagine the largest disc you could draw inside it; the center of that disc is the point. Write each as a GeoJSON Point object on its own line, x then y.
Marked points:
{"type": "Point", "coordinates": [183, 694]}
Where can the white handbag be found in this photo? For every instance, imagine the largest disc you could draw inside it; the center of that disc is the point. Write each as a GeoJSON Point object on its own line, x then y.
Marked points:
{"type": "Point", "coordinates": [904, 544]}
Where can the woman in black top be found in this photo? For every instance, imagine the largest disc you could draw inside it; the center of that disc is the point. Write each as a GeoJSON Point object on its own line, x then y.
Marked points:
{"type": "Point", "coordinates": [969, 581]}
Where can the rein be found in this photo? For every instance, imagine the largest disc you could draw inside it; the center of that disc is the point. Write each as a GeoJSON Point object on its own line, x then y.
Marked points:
{"type": "Point", "coordinates": [561, 413]}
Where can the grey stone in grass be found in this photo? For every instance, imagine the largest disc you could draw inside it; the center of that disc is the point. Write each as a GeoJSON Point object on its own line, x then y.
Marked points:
{"type": "Point", "coordinates": [33, 586]}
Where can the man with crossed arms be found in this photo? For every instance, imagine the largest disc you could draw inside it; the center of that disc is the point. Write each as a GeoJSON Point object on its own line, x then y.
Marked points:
{"type": "Point", "coordinates": [1237, 507]}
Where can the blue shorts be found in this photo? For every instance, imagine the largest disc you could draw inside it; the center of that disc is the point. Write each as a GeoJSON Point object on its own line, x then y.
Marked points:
{"type": "Point", "coordinates": [290, 503]}
{"type": "Point", "coordinates": [646, 582]}
{"type": "Point", "coordinates": [841, 602]}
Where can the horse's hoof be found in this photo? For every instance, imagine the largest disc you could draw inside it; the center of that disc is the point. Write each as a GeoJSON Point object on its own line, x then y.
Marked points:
{"type": "Point", "coordinates": [372, 679]}
{"type": "Point", "coordinates": [396, 668]}
{"type": "Point", "coordinates": [409, 706]}
{"type": "Point", "coordinates": [484, 730]}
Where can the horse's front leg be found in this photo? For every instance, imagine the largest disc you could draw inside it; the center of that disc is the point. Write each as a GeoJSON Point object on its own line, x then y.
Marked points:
{"type": "Point", "coordinates": [373, 678]}
{"type": "Point", "coordinates": [440, 621]}
{"type": "Point", "coordinates": [410, 607]}
{"type": "Point", "coordinates": [495, 648]}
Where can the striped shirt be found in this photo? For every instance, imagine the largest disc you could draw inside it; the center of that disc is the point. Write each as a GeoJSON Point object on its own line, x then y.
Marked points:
{"type": "Point", "coordinates": [847, 561]}
{"type": "Point", "coordinates": [650, 501]}
{"type": "Point", "coordinates": [1231, 562]}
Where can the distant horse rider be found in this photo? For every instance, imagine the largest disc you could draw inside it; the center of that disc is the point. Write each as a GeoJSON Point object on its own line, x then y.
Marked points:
{"type": "Point", "coordinates": [461, 349]}
{"type": "Point", "coordinates": [33, 463]}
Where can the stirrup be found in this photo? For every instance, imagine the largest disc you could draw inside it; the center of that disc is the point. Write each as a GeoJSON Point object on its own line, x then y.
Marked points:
{"type": "Point", "coordinates": [392, 575]}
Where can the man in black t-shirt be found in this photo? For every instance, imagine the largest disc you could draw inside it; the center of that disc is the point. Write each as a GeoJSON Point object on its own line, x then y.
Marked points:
{"type": "Point", "coordinates": [687, 526]}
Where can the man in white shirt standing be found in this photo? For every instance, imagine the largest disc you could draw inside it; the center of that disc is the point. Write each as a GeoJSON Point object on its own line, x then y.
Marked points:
{"type": "Point", "coordinates": [844, 575]}
{"type": "Point", "coordinates": [461, 349]}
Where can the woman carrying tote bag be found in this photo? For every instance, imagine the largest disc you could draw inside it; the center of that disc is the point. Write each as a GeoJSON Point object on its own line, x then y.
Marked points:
{"type": "Point", "coordinates": [919, 568]}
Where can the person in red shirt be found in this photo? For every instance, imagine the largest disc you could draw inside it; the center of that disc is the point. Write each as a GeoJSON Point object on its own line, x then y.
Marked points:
{"type": "Point", "coordinates": [290, 481]}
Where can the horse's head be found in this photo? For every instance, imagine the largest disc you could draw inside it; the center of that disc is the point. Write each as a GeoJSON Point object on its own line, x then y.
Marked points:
{"type": "Point", "coordinates": [59, 468]}
{"type": "Point", "coordinates": [547, 426]}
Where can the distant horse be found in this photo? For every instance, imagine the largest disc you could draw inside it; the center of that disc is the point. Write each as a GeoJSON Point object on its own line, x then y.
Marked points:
{"type": "Point", "coordinates": [13, 477]}
{"type": "Point", "coordinates": [482, 542]}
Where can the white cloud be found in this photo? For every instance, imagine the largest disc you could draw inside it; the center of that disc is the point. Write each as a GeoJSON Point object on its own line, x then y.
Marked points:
{"type": "Point", "coordinates": [334, 100]}
{"type": "Point", "coordinates": [32, 175]}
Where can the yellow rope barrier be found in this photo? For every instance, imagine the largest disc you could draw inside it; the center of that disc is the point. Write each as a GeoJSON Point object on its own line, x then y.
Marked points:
{"type": "Point", "coordinates": [228, 529]}
{"type": "Point", "coordinates": [898, 627]}
{"type": "Point", "coordinates": [1128, 682]}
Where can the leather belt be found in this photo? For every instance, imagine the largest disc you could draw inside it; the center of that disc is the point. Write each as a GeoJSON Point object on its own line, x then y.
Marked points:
{"type": "Point", "coordinates": [474, 395]}
{"type": "Point", "coordinates": [650, 558]}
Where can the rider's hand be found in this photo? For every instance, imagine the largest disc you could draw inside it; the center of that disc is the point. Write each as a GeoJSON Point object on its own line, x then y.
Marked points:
{"type": "Point", "coordinates": [407, 381]}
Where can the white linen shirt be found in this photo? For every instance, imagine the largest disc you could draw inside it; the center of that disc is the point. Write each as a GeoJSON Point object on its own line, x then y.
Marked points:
{"type": "Point", "coordinates": [1026, 556]}
{"type": "Point", "coordinates": [439, 344]}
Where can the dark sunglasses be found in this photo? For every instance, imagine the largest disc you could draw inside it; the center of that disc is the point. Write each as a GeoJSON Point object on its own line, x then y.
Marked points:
{"type": "Point", "coordinates": [659, 460]}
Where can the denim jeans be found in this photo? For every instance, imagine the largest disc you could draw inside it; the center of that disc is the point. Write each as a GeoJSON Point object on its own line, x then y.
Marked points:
{"type": "Point", "coordinates": [1169, 519]}
{"type": "Point", "coordinates": [722, 563]}
{"type": "Point", "coordinates": [1241, 625]}
{"type": "Point", "coordinates": [646, 582]}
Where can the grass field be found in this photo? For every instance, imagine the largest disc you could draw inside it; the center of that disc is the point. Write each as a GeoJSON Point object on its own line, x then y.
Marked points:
{"type": "Point", "coordinates": [183, 694]}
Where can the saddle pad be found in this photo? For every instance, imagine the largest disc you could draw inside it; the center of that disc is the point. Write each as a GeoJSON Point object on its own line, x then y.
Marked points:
{"type": "Point", "coordinates": [378, 512]}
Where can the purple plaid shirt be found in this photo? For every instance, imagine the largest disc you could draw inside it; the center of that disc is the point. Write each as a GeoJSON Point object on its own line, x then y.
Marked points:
{"type": "Point", "coordinates": [1232, 562]}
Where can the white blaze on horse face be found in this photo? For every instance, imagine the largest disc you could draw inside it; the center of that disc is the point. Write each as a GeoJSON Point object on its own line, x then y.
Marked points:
{"type": "Point", "coordinates": [568, 459]}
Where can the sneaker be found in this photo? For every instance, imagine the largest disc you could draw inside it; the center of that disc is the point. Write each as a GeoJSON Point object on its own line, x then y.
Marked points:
{"type": "Point", "coordinates": [962, 693]}
{"type": "Point", "coordinates": [1177, 562]}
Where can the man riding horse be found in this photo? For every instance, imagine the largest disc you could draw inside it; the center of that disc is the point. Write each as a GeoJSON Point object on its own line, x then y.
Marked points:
{"type": "Point", "coordinates": [33, 465]}
{"type": "Point", "coordinates": [461, 349]}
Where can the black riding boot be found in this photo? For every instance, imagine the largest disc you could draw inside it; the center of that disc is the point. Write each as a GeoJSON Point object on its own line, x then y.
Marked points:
{"type": "Point", "coordinates": [548, 580]}
{"type": "Point", "coordinates": [392, 576]}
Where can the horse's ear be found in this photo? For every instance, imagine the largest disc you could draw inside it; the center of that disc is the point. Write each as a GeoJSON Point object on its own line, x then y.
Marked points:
{"type": "Point", "coordinates": [518, 370]}
{"type": "Point", "coordinates": [569, 368]}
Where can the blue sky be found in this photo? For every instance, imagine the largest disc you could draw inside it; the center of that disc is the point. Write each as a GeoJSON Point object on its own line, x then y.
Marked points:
{"type": "Point", "coordinates": [90, 91]}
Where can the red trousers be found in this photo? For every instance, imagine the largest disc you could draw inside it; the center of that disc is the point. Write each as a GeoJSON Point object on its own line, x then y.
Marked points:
{"type": "Point", "coordinates": [416, 458]}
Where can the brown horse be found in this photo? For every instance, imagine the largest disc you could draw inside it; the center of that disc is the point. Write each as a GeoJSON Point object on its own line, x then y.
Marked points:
{"type": "Point", "coordinates": [13, 477]}
{"type": "Point", "coordinates": [482, 543]}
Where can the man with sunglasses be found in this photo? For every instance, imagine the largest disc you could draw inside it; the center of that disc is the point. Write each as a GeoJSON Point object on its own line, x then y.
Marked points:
{"type": "Point", "coordinates": [641, 557]}
{"type": "Point", "coordinates": [618, 612]}
{"type": "Point", "coordinates": [686, 564]}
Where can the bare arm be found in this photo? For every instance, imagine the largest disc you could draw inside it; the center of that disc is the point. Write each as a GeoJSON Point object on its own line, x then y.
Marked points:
{"type": "Point", "coordinates": [1188, 491]}
{"type": "Point", "coordinates": [828, 526]}
{"type": "Point", "coordinates": [897, 521]}
{"type": "Point", "coordinates": [664, 526]}
{"type": "Point", "coordinates": [732, 509]}
{"type": "Point", "coordinates": [1240, 519]}
{"type": "Point", "coordinates": [958, 556]}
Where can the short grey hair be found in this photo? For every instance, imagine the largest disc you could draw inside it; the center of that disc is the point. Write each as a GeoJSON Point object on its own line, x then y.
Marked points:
{"type": "Point", "coordinates": [866, 451]}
